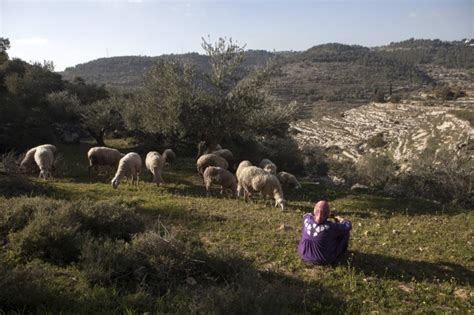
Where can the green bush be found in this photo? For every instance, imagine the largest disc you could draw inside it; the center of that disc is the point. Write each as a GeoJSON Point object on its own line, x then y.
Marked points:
{"type": "Point", "coordinates": [376, 141]}
{"type": "Point", "coordinates": [55, 231]}
{"type": "Point", "coordinates": [110, 219]}
{"type": "Point", "coordinates": [447, 93]}
{"type": "Point", "coordinates": [50, 236]}
{"type": "Point", "coordinates": [375, 169]}
{"type": "Point", "coordinates": [379, 97]}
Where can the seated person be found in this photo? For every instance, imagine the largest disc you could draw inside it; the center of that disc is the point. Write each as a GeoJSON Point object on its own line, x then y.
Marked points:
{"type": "Point", "coordinates": [322, 241]}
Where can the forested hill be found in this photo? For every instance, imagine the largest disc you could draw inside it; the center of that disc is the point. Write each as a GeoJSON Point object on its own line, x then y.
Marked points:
{"type": "Point", "coordinates": [353, 68]}
{"type": "Point", "coordinates": [128, 71]}
{"type": "Point", "coordinates": [455, 54]}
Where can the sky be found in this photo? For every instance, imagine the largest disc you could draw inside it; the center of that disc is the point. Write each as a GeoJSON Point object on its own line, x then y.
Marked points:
{"type": "Point", "coordinates": [71, 32]}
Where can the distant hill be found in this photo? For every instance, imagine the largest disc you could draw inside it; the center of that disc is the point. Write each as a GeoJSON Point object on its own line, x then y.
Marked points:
{"type": "Point", "coordinates": [329, 72]}
{"type": "Point", "coordinates": [129, 71]}
{"type": "Point", "coordinates": [454, 54]}
{"type": "Point", "coordinates": [336, 72]}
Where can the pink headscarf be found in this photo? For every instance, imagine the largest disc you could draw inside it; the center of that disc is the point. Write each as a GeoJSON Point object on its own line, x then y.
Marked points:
{"type": "Point", "coordinates": [321, 211]}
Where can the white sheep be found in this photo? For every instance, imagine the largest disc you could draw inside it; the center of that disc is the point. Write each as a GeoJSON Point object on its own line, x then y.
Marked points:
{"type": "Point", "coordinates": [268, 166]}
{"type": "Point", "coordinates": [129, 166]}
{"type": "Point", "coordinates": [103, 156]}
{"type": "Point", "coordinates": [28, 162]}
{"type": "Point", "coordinates": [219, 176]}
{"type": "Point", "coordinates": [241, 166]}
{"type": "Point", "coordinates": [169, 156]}
{"type": "Point", "coordinates": [210, 160]}
{"type": "Point", "coordinates": [288, 180]}
{"type": "Point", "coordinates": [154, 162]}
{"type": "Point", "coordinates": [44, 158]}
{"type": "Point", "coordinates": [254, 179]}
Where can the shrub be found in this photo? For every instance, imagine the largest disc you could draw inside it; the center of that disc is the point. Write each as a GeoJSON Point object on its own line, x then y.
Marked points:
{"type": "Point", "coordinates": [379, 97]}
{"type": "Point", "coordinates": [49, 236]}
{"type": "Point", "coordinates": [315, 161]}
{"type": "Point", "coordinates": [55, 230]}
{"type": "Point", "coordinates": [395, 98]}
{"type": "Point", "coordinates": [446, 177]}
{"type": "Point", "coordinates": [376, 141]}
{"type": "Point", "coordinates": [375, 169]}
{"type": "Point", "coordinates": [447, 93]}
{"type": "Point", "coordinates": [110, 219]}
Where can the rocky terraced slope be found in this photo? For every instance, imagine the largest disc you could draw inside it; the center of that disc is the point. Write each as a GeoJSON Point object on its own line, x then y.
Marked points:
{"type": "Point", "coordinates": [407, 130]}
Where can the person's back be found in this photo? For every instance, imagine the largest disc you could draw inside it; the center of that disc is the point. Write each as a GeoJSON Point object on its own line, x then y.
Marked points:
{"type": "Point", "coordinates": [322, 240]}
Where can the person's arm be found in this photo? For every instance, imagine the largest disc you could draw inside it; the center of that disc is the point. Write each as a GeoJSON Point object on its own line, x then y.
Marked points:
{"type": "Point", "coordinates": [342, 225]}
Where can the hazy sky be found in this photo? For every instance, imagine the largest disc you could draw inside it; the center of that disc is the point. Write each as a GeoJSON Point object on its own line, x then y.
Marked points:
{"type": "Point", "coordinates": [72, 32]}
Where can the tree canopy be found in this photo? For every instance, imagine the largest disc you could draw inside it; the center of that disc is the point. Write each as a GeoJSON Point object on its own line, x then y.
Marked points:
{"type": "Point", "coordinates": [224, 102]}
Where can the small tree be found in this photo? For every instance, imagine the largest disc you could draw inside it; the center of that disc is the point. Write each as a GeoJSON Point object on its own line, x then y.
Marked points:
{"type": "Point", "coordinates": [101, 117]}
{"type": "Point", "coordinates": [223, 102]}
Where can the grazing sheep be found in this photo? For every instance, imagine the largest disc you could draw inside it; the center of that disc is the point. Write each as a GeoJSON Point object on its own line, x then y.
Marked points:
{"type": "Point", "coordinates": [288, 180]}
{"type": "Point", "coordinates": [269, 166]}
{"type": "Point", "coordinates": [28, 162]}
{"type": "Point", "coordinates": [219, 176]}
{"type": "Point", "coordinates": [154, 162]}
{"type": "Point", "coordinates": [169, 156]}
{"type": "Point", "coordinates": [129, 166]}
{"type": "Point", "coordinates": [225, 153]}
{"type": "Point", "coordinates": [210, 160]}
{"type": "Point", "coordinates": [241, 166]}
{"type": "Point", "coordinates": [103, 156]}
{"type": "Point", "coordinates": [44, 158]}
{"type": "Point", "coordinates": [254, 179]}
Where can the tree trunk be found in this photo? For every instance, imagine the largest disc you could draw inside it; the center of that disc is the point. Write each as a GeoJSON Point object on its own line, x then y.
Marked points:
{"type": "Point", "coordinates": [98, 136]}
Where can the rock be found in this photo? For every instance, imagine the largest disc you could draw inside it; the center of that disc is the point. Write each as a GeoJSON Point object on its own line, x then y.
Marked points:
{"type": "Point", "coordinates": [360, 188]}
{"type": "Point", "coordinates": [332, 180]}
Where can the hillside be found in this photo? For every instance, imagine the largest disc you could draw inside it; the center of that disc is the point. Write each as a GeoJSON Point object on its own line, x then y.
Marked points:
{"type": "Point", "coordinates": [336, 72]}
{"type": "Point", "coordinates": [455, 54]}
{"type": "Point", "coordinates": [330, 71]}
{"type": "Point", "coordinates": [75, 245]}
{"type": "Point", "coordinates": [127, 72]}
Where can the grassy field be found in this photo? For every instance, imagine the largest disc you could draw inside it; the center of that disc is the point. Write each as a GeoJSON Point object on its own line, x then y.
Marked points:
{"type": "Point", "coordinates": [405, 255]}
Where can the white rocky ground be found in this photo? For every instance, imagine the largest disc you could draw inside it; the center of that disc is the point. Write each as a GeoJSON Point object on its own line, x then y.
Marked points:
{"type": "Point", "coordinates": [410, 128]}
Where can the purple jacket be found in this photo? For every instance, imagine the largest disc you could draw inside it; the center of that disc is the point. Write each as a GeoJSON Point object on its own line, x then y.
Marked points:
{"type": "Point", "coordinates": [321, 243]}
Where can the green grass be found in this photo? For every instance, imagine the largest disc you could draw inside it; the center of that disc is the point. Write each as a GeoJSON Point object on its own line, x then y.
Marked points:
{"type": "Point", "coordinates": [405, 255]}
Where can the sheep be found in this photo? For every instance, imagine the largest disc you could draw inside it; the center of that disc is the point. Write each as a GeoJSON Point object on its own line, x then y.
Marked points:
{"type": "Point", "coordinates": [44, 158]}
{"type": "Point", "coordinates": [224, 153]}
{"type": "Point", "coordinates": [210, 160]}
{"type": "Point", "coordinates": [241, 166]}
{"type": "Point", "coordinates": [169, 156]}
{"type": "Point", "coordinates": [103, 156]}
{"type": "Point", "coordinates": [219, 176]}
{"type": "Point", "coordinates": [254, 179]}
{"type": "Point", "coordinates": [269, 166]}
{"type": "Point", "coordinates": [154, 162]}
{"type": "Point", "coordinates": [288, 180]}
{"type": "Point", "coordinates": [28, 162]}
{"type": "Point", "coordinates": [128, 166]}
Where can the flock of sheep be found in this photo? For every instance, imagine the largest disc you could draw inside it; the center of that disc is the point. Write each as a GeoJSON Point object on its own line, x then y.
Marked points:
{"type": "Point", "coordinates": [212, 164]}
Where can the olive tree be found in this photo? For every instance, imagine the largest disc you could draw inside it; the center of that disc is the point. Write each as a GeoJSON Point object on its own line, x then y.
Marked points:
{"type": "Point", "coordinates": [225, 101]}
